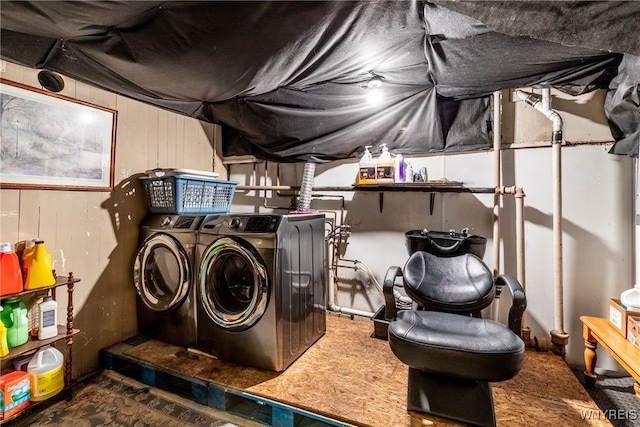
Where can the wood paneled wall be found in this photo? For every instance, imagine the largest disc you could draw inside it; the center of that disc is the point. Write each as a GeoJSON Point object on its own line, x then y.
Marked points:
{"type": "Point", "coordinates": [95, 234]}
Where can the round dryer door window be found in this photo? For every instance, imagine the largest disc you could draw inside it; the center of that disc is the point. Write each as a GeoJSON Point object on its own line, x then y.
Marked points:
{"type": "Point", "coordinates": [161, 273]}
{"type": "Point", "coordinates": [234, 284]}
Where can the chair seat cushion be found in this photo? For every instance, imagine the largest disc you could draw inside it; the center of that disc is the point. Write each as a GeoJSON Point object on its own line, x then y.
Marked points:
{"type": "Point", "coordinates": [455, 345]}
{"type": "Point", "coordinates": [462, 283]}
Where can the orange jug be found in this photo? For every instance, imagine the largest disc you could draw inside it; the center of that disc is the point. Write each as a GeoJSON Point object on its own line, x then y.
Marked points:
{"type": "Point", "coordinates": [10, 274]}
{"type": "Point", "coordinates": [39, 269]}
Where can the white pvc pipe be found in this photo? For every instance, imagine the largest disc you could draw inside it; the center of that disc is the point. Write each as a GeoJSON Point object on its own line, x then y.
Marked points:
{"type": "Point", "coordinates": [497, 166]}
{"type": "Point", "coordinates": [497, 196]}
{"type": "Point", "coordinates": [535, 102]}
{"type": "Point", "coordinates": [556, 142]}
{"type": "Point", "coordinates": [350, 311]}
{"type": "Point", "coordinates": [519, 195]}
{"type": "Point", "coordinates": [557, 237]}
{"type": "Point", "coordinates": [520, 264]}
{"type": "Point", "coordinates": [331, 305]}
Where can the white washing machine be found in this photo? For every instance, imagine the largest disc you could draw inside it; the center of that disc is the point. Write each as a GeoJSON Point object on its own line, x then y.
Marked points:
{"type": "Point", "coordinates": [261, 287]}
{"type": "Point", "coordinates": [164, 275]}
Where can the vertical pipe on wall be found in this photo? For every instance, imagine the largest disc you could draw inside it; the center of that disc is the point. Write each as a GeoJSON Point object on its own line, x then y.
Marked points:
{"type": "Point", "coordinates": [497, 195]}
{"type": "Point", "coordinates": [520, 264]}
{"type": "Point", "coordinates": [559, 338]}
{"type": "Point", "coordinates": [519, 196]}
{"type": "Point", "coordinates": [497, 166]}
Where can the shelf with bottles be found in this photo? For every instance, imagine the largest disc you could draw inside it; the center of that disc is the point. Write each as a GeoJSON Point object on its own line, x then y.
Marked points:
{"type": "Point", "coordinates": [428, 187]}
{"type": "Point", "coordinates": [65, 332]}
{"type": "Point", "coordinates": [34, 343]}
{"type": "Point", "coordinates": [432, 187]}
{"type": "Point", "coordinates": [60, 281]}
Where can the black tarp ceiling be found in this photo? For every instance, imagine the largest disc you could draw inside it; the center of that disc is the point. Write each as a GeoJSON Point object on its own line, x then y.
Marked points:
{"type": "Point", "coordinates": [288, 80]}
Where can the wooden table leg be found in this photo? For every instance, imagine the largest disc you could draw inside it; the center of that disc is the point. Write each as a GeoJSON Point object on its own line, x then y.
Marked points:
{"type": "Point", "coordinates": [590, 357]}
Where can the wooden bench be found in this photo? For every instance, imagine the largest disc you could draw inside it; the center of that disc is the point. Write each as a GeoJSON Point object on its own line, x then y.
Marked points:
{"type": "Point", "coordinates": [599, 330]}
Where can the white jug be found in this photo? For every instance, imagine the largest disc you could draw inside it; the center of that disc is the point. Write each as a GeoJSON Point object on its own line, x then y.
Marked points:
{"type": "Point", "coordinates": [47, 373]}
{"type": "Point", "coordinates": [631, 298]}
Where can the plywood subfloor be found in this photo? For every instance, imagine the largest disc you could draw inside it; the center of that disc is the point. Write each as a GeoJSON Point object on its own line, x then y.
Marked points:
{"type": "Point", "coordinates": [352, 377]}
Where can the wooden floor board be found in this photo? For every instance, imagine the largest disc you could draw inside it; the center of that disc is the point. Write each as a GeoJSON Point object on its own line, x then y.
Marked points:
{"type": "Point", "coordinates": [354, 378]}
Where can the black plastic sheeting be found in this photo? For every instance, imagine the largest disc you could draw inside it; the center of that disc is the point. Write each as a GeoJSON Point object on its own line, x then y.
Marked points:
{"type": "Point", "coordinates": [288, 80]}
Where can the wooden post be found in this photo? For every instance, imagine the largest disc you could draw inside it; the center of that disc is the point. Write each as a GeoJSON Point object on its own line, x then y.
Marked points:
{"type": "Point", "coordinates": [68, 365]}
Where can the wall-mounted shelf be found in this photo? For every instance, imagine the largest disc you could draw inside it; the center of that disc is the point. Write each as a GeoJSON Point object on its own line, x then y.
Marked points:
{"type": "Point", "coordinates": [432, 187]}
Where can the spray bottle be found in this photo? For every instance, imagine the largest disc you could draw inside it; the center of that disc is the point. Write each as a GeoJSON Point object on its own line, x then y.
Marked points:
{"type": "Point", "coordinates": [367, 173]}
{"type": "Point", "coordinates": [385, 167]}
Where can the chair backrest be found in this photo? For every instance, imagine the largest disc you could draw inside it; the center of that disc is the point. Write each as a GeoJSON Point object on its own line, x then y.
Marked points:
{"type": "Point", "coordinates": [459, 284]}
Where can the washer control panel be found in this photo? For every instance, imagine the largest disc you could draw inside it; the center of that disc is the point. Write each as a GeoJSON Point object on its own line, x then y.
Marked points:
{"type": "Point", "coordinates": [242, 224]}
{"type": "Point", "coordinates": [261, 223]}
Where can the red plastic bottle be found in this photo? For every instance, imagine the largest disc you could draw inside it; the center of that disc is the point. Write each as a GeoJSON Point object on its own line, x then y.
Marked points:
{"type": "Point", "coordinates": [10, 272]}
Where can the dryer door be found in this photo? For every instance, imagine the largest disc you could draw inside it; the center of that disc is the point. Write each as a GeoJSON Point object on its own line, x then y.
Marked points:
{"type": "Point", "coordinates": [161, 273]}
{"type": "Point", "coordinates": [234, 284]}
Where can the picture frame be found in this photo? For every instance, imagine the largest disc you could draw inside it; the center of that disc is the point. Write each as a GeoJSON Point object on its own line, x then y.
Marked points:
{"type": "Point", "coordinates": [53, 142]}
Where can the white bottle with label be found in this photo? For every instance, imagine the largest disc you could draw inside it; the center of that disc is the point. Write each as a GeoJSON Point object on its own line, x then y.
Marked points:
{"type": "Point", "coordinates": [631, 298]}
{"type": "Point", "coordinates": [385, 166]}
{"type": "Point", "coordinates": [408, 173]}
{"type": "Point", "coordinates": [367, 172]}
{"type": "Point", "coordinates": [47, 318]}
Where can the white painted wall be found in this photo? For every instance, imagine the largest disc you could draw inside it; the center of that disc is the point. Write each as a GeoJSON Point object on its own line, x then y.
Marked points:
{"type": "Point", "coordinates": [598, 215]}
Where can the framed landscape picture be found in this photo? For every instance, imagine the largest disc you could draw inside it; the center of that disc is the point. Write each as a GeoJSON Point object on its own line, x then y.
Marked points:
{"type": "Point", "coordinates": [50, 141]}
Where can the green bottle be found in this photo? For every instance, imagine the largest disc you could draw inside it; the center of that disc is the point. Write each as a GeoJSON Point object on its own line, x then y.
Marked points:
{"type": "Point", "coordinates": [14, 318]}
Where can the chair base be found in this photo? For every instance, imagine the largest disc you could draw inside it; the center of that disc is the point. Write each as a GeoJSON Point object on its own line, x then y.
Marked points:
{"type": "Point", "coordinates": [468, 401]}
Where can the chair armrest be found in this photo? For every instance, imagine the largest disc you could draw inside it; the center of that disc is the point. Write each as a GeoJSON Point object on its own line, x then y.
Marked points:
{"type": "Point", "coordinates": [387, 291]}
{"type": "Point", "coordinates": [519, 301]}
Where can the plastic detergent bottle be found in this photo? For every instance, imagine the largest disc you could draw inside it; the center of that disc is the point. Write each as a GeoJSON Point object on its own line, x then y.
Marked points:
{"type": "Point", "coordinates": [47, 318]}
{"type": "Point", "coordinates": [631, 298]}
{"type": "Point", "coordinates": [408, 173]}
{"type": "Point", "coordinates": [398, 168]}
{"type": "Point", "coordinates": [10, 273]}
{"type": "Point", "coordinates": [384, 166]}
{"type": "Point", "coordinates": [27, 256]}
{"type": "Point", "coordinates": [14, 317]}
{"type": "Point", "coordinates": [4, 347]}
{"type": "Point", "coordinates": [367, 172]}
{"type": "Point", "coordinates": [39, 270]}
{"type": "Point", "coordinates": [47, 375]}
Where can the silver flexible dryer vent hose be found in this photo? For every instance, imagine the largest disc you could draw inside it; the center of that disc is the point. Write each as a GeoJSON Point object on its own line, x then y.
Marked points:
{"type": "Point", "coordinates": [304, 201]}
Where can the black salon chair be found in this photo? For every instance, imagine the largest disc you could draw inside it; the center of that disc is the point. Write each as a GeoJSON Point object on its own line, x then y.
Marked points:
{"type": "Point", "coordinates": [452, 352]}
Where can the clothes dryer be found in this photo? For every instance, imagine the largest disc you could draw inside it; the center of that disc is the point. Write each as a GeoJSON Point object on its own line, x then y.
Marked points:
{"type": "Point", "coordinates": [164, 277]}
{"type": "Point", "coordinates": [261, 287]}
